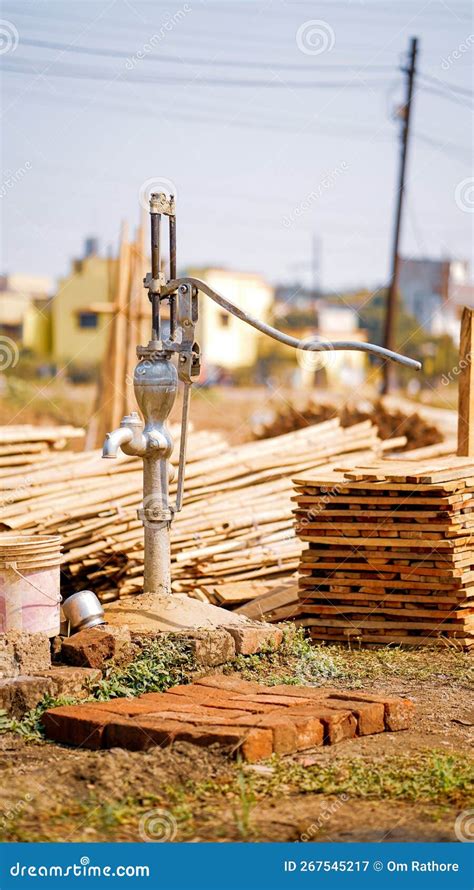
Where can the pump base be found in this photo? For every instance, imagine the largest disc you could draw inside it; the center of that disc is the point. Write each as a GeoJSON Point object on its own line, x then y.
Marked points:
{"type": "Point", "coordinates": [160, 612]}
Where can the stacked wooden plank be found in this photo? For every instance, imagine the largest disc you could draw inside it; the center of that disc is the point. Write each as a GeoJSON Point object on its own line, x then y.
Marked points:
{"type": "Point", "coordinates": [237, 523]}
{"type": "Point", "coordinates": [391, 553]}
{"type": "Point", "coordinates": [24, 444]}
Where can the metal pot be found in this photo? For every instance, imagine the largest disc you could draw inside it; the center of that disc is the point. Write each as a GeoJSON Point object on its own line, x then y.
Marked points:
{"type": "Point", "coordinates": [83, 609]}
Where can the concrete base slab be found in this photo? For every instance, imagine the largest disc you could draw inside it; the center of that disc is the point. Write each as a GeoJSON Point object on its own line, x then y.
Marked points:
{"type": "Point", "coordinates": [150, 614]}
{"type": "Point", "coordinates": [161, 612]}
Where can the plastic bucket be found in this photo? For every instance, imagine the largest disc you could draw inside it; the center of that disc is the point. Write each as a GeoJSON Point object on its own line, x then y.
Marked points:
{"type": "Point", "coordinates": [30, 583]}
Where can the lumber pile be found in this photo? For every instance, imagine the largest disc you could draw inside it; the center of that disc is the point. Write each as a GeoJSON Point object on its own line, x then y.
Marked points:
{"type": "Point", "coordinates": [24, 444]}
{"type": "Point", "coordinates": [237, 524]}
{"type": "Point", "coordinates": [390, 556]}
{"type": "Point", "coordinates": [391, 421]}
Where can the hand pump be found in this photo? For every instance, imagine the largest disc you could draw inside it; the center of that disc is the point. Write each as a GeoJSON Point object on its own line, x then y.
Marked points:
{"type": "Point", "coordinates": [155, 384]}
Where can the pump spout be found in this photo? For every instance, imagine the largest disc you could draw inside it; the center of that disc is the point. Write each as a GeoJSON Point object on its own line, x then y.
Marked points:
{"type": "Point", "coordinates": [122, 436]}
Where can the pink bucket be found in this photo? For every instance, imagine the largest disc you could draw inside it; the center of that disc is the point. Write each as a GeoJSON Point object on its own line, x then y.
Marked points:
{"type": "Point", "coordinates": [30, 583]}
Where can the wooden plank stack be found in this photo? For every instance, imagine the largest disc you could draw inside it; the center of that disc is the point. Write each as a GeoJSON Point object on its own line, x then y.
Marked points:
{"type": "Point", "coordinates": [23, 445]}
{"type": "Point", "coordinates": [391, 553]}
{"type": "Point", "coordinates": [237, 523]}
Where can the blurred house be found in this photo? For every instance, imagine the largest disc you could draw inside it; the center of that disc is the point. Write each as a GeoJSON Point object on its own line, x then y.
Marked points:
{"type": "Point", "coordinates": [434, 292]}
{"type": "Point", "coordinates": [331, 367]}
{"type": "Point", "coordinates": [25, 311]}
{"type": "Point", "coordinates": [82, 309]}
{"type": "Point", "coordinates": [226, 342]}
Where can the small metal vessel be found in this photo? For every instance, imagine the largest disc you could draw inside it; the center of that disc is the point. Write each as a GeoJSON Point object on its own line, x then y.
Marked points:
{"type": "Point", "coordinates": [83, 609]}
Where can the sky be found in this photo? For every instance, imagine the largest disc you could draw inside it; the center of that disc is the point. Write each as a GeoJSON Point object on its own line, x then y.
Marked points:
{"type": "Point", "coordinates": [273, 122]}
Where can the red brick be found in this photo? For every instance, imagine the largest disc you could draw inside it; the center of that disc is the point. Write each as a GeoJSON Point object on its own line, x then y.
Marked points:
{"type": "Point", "coordinates": [215, 699]}
{"type": "Point", "coordinates": [231, 684]}
{"type": "Point", "coordinates": [88, 648]}
{"type": "Point", "coordinates": [398, 711]}
{"type": "Point", "coordinates": [138, 735]}
{"type": "Point", "coordinates": [310, 732]}
{"type": "Point", "coordinates": [369, 715]}
{"type": "Point", "coordinates": [254, 744]}
{"type": "Point", "coordinates": [338, 725]}
{"type": "Point", "coordinates": [78, 725]}
{"type": "Point", "coordinates": [284, 733]}
{"type": "Point", "coordinates": [271, 700]}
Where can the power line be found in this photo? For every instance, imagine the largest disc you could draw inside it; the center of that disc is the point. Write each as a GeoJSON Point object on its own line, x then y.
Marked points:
{"type": "Point", "coordinates": [458, 100]}
{"type": "Point", "coordinates": [95, 74]}
{"type": "Point", "coordinates": [451, 88]}
{"type": "Point", "coordinates": [189, 60]}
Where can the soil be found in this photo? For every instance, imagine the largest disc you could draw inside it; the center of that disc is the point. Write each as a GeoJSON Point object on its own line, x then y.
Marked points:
{"type": "Point", "coordinates": [53, 793]}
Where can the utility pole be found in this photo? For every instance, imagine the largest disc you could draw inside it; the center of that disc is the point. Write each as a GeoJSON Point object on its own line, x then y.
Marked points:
{"type": "Point", "coordinates": [392, 296]}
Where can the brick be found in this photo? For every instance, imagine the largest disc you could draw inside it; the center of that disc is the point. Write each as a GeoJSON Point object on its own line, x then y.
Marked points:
{"type": "Point", "coordinates": [254, 744]}
{"type": "Point", "coordinates": [78, 725]}
{"type": "Point", "coordinates": [215, 699]}
{"type": "Point", "coordinates": [209, 647]}
{"type": "Point", "coordinates": [138, 735]}
{"type": "Point", "coordinates": [272, 701]}
{"type": "Point", "coordinates": [254, 637]}
{"type": "Point", "coordinates": [89, 648]}
{"type": "Point", "coordinates": [284, 732]}
{"type": "Point", "coordinates": [177, 709]}
{"type": "Point", "coordinates": [310, 732]}
{"type": "Point", "coordinates": [227, 683]}
{"type": "Point", "coordinates": [398, 711]}
{"type": "Point", "coordinates": [20, 694]}
{"type": "Point", "coordinates": [72, 681]}
{"type": "Point", "coordinates": [338, 725]}
{"type": "Point", "coordinates": [369, 715]}
{"type": "Point", "coordinates": [24, 653]}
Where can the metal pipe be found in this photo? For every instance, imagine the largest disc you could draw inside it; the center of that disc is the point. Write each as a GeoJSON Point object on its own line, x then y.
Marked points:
{"type": "Point", "coordinates": [312, 346]}
{"type": "Point", "coordinates": [155, 220]}
{"type": "Point", "coordinates": [172, 233]}
{"type": "Point", "coordinates": [183, 446]}
{"type": "Point", "coordinates": [157, 561]}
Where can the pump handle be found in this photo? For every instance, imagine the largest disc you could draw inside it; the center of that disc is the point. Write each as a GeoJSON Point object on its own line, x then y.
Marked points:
{"type": "Point", "coordinates": [311, 346]}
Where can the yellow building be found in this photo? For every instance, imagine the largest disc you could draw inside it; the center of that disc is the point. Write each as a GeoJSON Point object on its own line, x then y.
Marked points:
{"type": "Point", "coordinates": [25, 311]}
{"type": "Point", "coordinates": [225, 341]}
{"type": "Point", "coordinates": [82, 310]}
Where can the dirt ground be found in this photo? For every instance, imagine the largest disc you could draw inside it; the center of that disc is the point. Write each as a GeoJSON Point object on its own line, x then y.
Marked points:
{"type": "Point", "coordinates": [402, 786]}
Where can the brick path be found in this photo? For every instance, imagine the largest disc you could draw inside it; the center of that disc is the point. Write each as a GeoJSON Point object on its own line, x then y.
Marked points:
{"type": "Point", "coordinates": [253, 719]}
